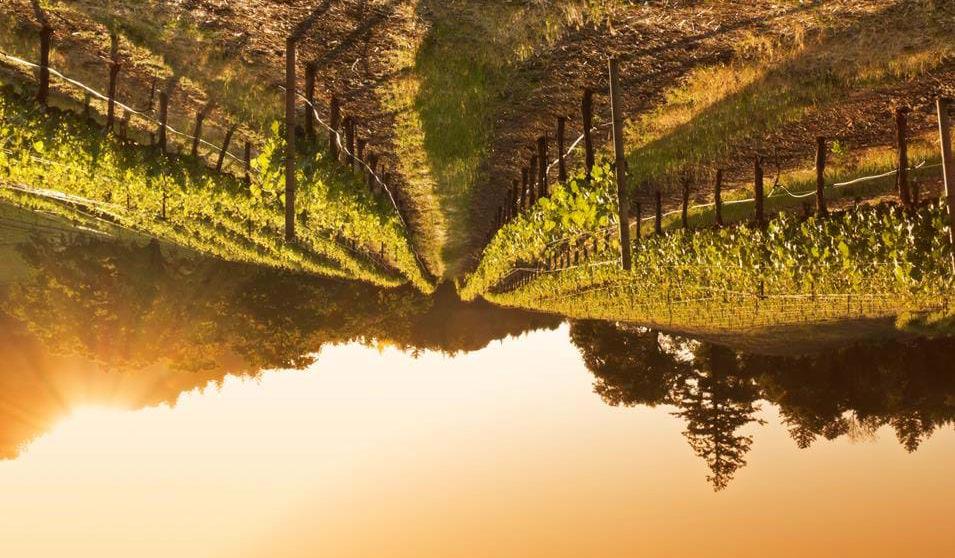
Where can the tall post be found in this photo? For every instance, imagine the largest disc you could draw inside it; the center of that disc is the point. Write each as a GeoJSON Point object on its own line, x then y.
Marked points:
{"type": "Point", "coordinates": [718, 197]}
{"type": "Point", "coordinates": [334, 121]}
{"type": "Point", "coordinates": [561, 162]}
{"type": "Point", "coordinates": [310, 101]}
{"type": "Point", "coordinates": [515, 195]}
{"type": "Point", "coordinates": [359, 152]}
{"type": "Point", "coordinates": [113, 75]}
{"type": "Point", "coordinates": [620, 164]}
{"type": "Point", "coordinates": [197, 131]}
{"type": "Point", "coordinates": [542, 169]}
{"type": "Point", "coordinates": [163, 114]}
{"type": "Point", "coordinates": [532, 181]}
{"type": "Point", "coordinates": [821, 176]}
{"type": "Point", "coordinates": [587, 110]}
{"type": "Point", "coordinates": [758, 190]}
{"type": "Point", "coordinates": [524, 193]}
{"type": "Point", "coordinates": [948, 167]}
{"type": "Point", "coordinates": [124, 124]}
{"type": "Point", "coordinates": [685, 209]}
{"type": "Point", "coordinates": [46, 37]}
{"type": "Point", "coordinates": [657, 212]}
{"type": "Point", "coordinates": [902, 179]}
{"type": "Point", "coordinates": [290, 139]}
{"type": "Point", "coordinates": [248, 164]}
{"type": "Point", "coordinates": [372, 165]}
{"type": "Point", "coordinates": [639, 221]}
{"type": "Point", "coordinates": [350, 142]}
{"type": "Point", "coordinates": [225, 146]}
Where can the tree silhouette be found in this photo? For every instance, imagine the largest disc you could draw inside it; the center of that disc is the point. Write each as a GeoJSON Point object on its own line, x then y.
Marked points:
{"type": "Point", "coordinates": [630, 366]}
{"type": "Point", "coordinates": [716, 403]}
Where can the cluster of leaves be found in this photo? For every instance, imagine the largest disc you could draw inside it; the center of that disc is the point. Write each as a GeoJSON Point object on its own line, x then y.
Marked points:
{"type": "Point", "coordinates": [572, 210]}
{"type": "Point", "coordinates": [178, 199]}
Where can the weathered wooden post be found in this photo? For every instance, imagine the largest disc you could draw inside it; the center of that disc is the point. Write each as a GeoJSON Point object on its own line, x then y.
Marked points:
{"type": "Point", "coordinates": [718, 197]}
{"type": "Point", "coordinates": [372, 166]}
{"type": "Point", "coordinates": [561, 162]}
{"type": "Point", "coordinates": [620, 165]}
{"type": "Point", "coordinates": [310, 70]}
{"type": "Point", "coordinates": [534, 194]}
{"type": "Point", "coordinates": [587, 110]}
{"type": "Point", "coordinates": [758, 191]}
{"type": "Point", "coordinates": [821, 176]}
{"type": "Point", "coordinates": [639, 213]}
{"type": "Point", "coordinates": [542, 169]}
{"type": "Point", "coordinates": [684, 213]}
{"type": "Point", "coordinates": [515, 197]}
{"type": "Point", "coordinates": [948, 167]}
{"type": "Point", "coordinates": [163, 115]}
{"type": "Point", "coordinates": [124, 124]}
{"type": "Point", "coordinates": [46, 37]}
{"type": "Point", "coordinates": [658, 212]}
{"type": "Point", "coordinates": [902, 178]}
{"type": "Point", "coordinates": [225, 146]}
{"type": "Point", "coordinates": [290, 139]}
{"type": "Point", "coordinates": [359, 152]}
{"type": "Point", "coordinates": [350, 142]}
{"type": "Point", "coordinates": [524, 193]}
{"type": "Point", "coordinates": [248, 164]}
{"type": "Point", "coordinates": [113, 75]}
{"type": "Point", "coordinates": [334, 121]}
{"type": "Point", "coordinates": [197, 130]}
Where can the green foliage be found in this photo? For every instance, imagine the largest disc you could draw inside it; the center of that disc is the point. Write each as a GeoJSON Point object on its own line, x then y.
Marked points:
{"type": "Point", "coordinates": [180, 200]}
{"type": "Point", "coordinates": [793, 271]}
{"type": "Point", "coordinates": [573, 209]}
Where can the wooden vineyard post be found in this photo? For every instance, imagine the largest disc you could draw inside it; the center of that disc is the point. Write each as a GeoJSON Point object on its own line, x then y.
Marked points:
{"type": "Point", "coordinates": [163, 114]}
{"type": "Point", "coordinates": [684, 214]}
{"type": "Point", "coordinates": [359, 152]}
{"type": "Point", "coordinates": [587, 110]}
{"type": "Point", "coordinates": [821, 176]}
{"type": "Point", "coordinates": [46, 37]}
{"type": "Point", "coordinates": [197, 131]}
{"type": "Point", "coordinates": [515, 198]}
{"type": "Point", "coordinates": [561, 162]}
{"type": "Point", "coordinates": [532, 181]}
{"type": "Point", "coordinates": [639, 218]}
{"type": "Point", "coordinates": [524, 193]}
{"type": "Point", "coordinates": [620, 164]}
{"type": "Point", "coordinates": [718, 197]}
{"type": "Point", "coordinates": [334, 121]}
{"type": "Point", "coordinates": [113, 75]}
{"type": "Point", "coordinates": [124, 124]}
{"type": "Point", "coordinates": [658, 212]}
{"type": "Point", "coordinates": [310, 101]}
{"type": "Point", "coordinates": [902, 179]}
{"type": "Point", "coordinates": [350, 142]}
{"type": "Point", "coordinates": [372, 166]}
{"type": "Point", "coordinates": [948, 167]}
{"type": "Point", "coordinates": [542, 170]}
{"type": "Point", "coordinates": [290, 139]}
{"type": "Point", "coordinates": [248, 164]}
{"type": "Point", "coordinates": [758, 191]}
{"type": "Point", "coordinates": [225, 146]}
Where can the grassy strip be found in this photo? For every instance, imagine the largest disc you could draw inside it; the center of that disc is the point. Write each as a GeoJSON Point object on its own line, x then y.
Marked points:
{"type": "Point", "coordinates": [867, 262]}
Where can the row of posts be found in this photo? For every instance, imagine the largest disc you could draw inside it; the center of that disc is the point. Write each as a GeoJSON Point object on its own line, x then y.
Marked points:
{"type": "Point", "coordinates": [522, 195]}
